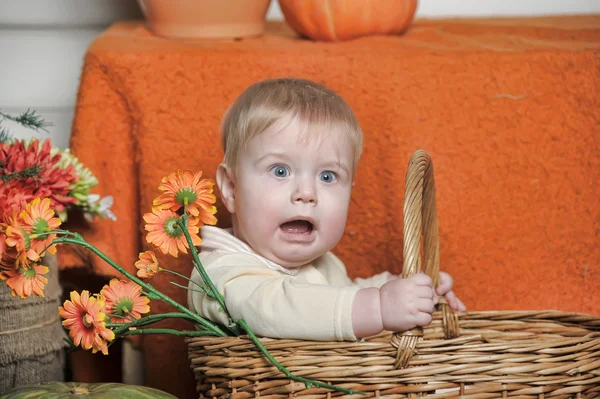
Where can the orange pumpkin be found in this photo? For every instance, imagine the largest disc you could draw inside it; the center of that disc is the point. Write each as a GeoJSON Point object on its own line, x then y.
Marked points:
{"type": "Point", "coordinates": [331, 20]}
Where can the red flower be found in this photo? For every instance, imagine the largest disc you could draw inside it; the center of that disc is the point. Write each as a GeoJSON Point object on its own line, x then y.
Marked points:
{"type": "Point", "coordinates": [30, 172]}
{"type": "Point", "coordinates": [14, 195]}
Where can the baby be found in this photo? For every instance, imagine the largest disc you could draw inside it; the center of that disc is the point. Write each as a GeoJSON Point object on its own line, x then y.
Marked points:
{"type": "Point", "coordinates": [291, 151]}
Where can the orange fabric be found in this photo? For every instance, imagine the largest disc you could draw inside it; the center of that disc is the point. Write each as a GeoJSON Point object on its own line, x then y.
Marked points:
{"type": "Point", "coordinates": [508, 110]}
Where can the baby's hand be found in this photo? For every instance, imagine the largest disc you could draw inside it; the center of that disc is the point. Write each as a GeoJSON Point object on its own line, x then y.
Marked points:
{"type": "Point", "coordinates": [444, 288]}
{"type": "Point", "coordinates": [406, 302]}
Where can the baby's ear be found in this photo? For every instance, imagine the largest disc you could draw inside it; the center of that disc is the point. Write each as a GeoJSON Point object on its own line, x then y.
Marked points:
{"type": "Point", "coordinates": [226, 186]}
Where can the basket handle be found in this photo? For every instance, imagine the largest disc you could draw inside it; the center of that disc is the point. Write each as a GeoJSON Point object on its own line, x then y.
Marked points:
{"type": "Point", "coordinates": [420, 216]}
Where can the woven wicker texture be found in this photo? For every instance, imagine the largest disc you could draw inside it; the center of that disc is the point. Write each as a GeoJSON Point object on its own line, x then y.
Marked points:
{"type": "Point", "coordinates": [520, 354]}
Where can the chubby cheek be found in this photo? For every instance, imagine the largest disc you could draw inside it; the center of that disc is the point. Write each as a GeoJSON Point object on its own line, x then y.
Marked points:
{"type": "Point", "coordinates": [257, 211]}
{"type": "Point", "coordinates": [334, 213]}
{"type": "Point", "coordinates": [334, 223]}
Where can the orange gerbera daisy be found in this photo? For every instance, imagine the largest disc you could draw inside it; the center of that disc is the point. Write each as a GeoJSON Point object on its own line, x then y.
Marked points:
{"type": "Point", "coordinates": [165, 233]}
{"type": "Point", "coordinates": [40, 218]}
{"type": "Point", "coordinates": [147, 265]}
{"type": "Point", "coordinates": [85, 321]}
{"type": "Point", "coordinates": [18, 241]}
{"type": "Point", "coordinates": [37, 218]}
{"type": "Point", "coordinates": [124, 301]}
{"type": "Point", "coordinates": [187, 188]}
{"type": "Point", "coordinates": [26, 280]}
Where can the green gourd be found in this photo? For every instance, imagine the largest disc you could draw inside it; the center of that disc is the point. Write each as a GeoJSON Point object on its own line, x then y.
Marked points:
{"type": "Point", "coordinates": [70, 390]}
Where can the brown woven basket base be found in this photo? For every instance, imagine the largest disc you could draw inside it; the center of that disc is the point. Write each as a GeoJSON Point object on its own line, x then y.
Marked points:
{"type": "Point", "coordinates": [498, 354]}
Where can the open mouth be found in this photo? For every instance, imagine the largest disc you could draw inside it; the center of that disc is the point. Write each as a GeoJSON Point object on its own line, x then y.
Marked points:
{"type": "Point", "coordinates": [297, 226]}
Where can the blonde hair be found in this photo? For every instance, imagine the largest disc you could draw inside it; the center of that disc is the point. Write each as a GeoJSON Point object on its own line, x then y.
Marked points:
{"type": "Point", "coordinates": [269, 101]}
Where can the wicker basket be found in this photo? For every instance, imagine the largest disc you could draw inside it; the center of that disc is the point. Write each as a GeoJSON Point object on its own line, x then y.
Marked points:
{"type": "Point", "coordinates": [524, 354]}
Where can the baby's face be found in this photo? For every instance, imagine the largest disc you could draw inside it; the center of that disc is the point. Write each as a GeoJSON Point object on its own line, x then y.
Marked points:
{"type": "Point", "coordinates": [292, 196]}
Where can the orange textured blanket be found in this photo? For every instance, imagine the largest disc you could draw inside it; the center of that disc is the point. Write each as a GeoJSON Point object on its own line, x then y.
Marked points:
{"type": "Point", "coordinates": [509, 110]}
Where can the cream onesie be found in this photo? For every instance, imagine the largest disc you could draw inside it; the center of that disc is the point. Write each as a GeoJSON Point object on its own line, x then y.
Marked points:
{"type": "Point", "coordinates": [312, 302]}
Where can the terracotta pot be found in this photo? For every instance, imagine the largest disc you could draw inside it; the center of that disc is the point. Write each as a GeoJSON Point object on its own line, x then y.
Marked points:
{"type": "Point", "coordinates": [331, 20]}
{"type": "Point", "coordinates": [205, 18]}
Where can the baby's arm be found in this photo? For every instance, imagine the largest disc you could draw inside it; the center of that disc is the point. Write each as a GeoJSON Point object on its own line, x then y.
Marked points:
{"type": "Point", "coordinates": [275, 305]}
{"type": "Point", "coordinates": [376, 280]}
{"type": "Point", "coordinates": [399, 305]}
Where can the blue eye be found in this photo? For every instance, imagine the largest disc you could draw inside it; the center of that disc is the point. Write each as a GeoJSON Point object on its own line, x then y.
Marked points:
{"type": "Point", "coordinates": [327, 177]}
{"type": "Point", "coordinates": [280, 171]}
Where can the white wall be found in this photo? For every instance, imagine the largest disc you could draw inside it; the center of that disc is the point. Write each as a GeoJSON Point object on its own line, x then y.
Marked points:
{"type": "Point", "coordinates": [42, 43]}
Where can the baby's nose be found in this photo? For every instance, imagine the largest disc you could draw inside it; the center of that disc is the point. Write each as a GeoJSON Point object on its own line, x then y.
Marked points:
{"type": "Point", "coordinates": [305, 193]}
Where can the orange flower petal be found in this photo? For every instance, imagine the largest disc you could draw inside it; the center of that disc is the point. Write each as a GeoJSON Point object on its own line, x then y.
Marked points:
{"type": "Point", "coordinates": [83, 318]}
{"type": "Point", "coordinates": [125, 300]}
{"type": "Point", "coordinates": [165, 235]}
{"type": "Point", "coordinates": [200, 191]}
{"type": "Point", "coordinates": [147, 265]}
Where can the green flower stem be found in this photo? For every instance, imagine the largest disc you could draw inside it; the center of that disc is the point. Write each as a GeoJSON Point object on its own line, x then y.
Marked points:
{"type": "Point", "coordinates": [207, 325]}
{"type": "Point", "coordinates": [167, 331]}
{"type": "Point", "coordinates": [211, 291]}
{"type": "Point", "coordinates": [118, 316]}
{"type": "Point", "coordinates": [183, 223]}
{"type": "Point", "coordinates": [308, 382]}
{"type": "Point", "coordinates": [63, 232]}
{"type": "Point", "coordinates": [59, 231]}
{"type": "Point", "coordinates": [182, 276]}
{"type": "Point", "coordinates": [144, 321]}
{"type": "Point", "coordinates": [188, 288]}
